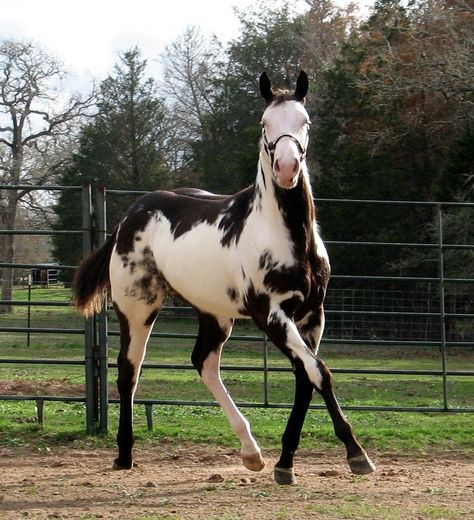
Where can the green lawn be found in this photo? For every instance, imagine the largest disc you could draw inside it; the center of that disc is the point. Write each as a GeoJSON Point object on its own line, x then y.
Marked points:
{"type": "Point", "coordinates": [386, 431]}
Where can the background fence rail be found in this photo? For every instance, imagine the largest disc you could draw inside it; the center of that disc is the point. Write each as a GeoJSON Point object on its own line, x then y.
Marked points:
{"type": "Point", "coordinates": [382, 310]}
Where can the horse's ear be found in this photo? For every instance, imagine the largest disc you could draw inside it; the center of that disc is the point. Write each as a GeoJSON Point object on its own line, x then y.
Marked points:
{"type": "Point", "coordinates": [301, 86]}
{"type": "Point", "coordinates": [266, 88]}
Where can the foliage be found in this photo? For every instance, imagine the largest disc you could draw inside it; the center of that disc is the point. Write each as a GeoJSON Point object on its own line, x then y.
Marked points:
{"type": "Point", "coordinates": [124, 145]}
{"type": "Point", "coordinates": [392, 114]}
{"type": "Point", "coordinates": [190, 65]}
{"type": "Point", "coordinates": [270, 39]}
{"type": "Point", "coordinates": [398, 98]}
{"type": "Point", "coordinates": [327, 28]}
{"type": "Point", "coordinates": [391, 102]}
{"type": "Point", "coordinates": [121, 148]}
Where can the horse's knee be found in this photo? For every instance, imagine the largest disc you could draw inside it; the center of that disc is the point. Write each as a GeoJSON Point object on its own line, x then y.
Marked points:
{"type": "Point", "coordinates": [212, 335]}
{"type": "Point", "coordinates": [325, 378]}
{"type": "Point", "coordinates": [311, 328]}
{"type": "Point", "coordinates": [125, 382]}
{"type": "Point", "coordinates": [209, 369]}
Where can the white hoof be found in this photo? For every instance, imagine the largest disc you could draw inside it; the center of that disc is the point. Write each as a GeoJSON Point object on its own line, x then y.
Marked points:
{"type": "Point", "coordinates": [253, 461]}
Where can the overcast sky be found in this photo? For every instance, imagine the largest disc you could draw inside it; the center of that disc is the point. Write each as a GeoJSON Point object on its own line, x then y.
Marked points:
{"type": "Point", "coordinates": [87, 35]}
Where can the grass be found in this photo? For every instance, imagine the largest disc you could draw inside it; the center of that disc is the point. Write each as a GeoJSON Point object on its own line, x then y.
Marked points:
{"type": "Point", "coordinates": [405, 432]}
{"type": "Point", "coordinates": [357, 509]}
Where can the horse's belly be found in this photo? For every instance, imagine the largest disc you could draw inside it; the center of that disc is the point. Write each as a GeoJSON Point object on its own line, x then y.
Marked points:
{"type": "Point", "coordinates": [208, 291]}
{"type": "Point", "coordinates": [202, 271]}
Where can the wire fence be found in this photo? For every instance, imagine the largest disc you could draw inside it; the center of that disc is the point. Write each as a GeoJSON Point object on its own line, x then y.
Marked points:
{"type": "Point", "coordinates": [433, 310]}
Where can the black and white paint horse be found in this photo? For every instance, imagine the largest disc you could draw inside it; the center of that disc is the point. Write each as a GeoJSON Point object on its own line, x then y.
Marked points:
{"type": "Point", "coordinates": [256, 254]}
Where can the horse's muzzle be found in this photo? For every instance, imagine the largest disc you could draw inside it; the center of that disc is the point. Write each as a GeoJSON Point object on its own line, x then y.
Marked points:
{"type": "Point", "coordinates": [286, 172]}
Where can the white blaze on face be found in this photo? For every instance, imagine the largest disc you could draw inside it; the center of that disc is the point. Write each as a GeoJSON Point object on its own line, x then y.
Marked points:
{"type": "Point", "coordinates": [286, 162]}
{"type": "Point", "coordinates": [280, 121]}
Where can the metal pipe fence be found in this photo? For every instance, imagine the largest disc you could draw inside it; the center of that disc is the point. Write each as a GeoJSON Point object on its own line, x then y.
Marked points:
{"type": "Point", "coordinates": [437, 318]}
{"type": "Point", "coordinates": [88, 361]}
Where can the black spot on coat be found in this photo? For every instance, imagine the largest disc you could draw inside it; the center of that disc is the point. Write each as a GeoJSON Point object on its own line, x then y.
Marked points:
{"type": "Point", "coordinates": [232, 293]}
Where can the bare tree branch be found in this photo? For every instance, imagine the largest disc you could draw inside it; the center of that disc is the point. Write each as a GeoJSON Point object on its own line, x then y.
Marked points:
{"type": "Point", "coordinates": [36, 123]}
{"type": "Point", "coordinates": [189, 68]}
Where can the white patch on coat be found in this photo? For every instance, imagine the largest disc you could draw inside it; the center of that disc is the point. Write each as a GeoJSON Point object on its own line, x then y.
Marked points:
{"type": "Point", "coordinates": [298, 348]}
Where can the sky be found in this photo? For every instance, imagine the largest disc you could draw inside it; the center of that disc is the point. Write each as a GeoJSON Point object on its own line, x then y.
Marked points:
{"type": "Point", "coordinates": [87, 35]}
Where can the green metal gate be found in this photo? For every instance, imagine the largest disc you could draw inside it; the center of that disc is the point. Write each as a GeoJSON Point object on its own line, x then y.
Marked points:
{"type": "Point", "coordinates": [96, 331]}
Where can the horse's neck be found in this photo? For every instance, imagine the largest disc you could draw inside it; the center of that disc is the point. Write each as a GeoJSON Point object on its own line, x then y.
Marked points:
{"type": "Point", "coordinates": [295, 206]}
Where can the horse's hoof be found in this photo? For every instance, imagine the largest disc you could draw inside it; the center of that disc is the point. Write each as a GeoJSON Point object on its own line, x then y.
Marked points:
{"type": "Point", "coordinates": [285, 476]}
{"type": "Point", "coordinates": [117, 465]}
{"type": "Point", "coordinates": [361, 465]}
{"type": "Point", "coordinates": [253, 461]}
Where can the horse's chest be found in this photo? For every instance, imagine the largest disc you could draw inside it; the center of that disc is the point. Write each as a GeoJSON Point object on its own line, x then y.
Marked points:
{"type": "Point", "coordinates": [272, 269]}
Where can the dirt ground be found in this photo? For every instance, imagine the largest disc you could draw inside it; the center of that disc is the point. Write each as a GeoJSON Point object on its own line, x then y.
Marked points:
{"type": "Point", "coordinates": [201, 482]}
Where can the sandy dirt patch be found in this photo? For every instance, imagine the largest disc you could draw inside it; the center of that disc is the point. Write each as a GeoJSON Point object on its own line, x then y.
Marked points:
{"type": "Point", "coordinates": [201, 482]}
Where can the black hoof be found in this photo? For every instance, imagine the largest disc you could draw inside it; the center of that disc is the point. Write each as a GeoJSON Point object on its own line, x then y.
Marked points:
{"type": "Point", "coordinates": [285, 476]}
{"type": "Point", "coordinates": [361, 465]}
{"type": "Point", "coordinates": [118, 465]}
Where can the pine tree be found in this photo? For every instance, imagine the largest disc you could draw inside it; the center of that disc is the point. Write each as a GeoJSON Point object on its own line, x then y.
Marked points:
{"type": "Point", "coordinates": [123, 147]}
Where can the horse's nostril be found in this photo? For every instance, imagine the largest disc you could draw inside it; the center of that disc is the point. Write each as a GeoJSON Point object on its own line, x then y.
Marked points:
{"type": "Point", "coordinates": [277, 166]}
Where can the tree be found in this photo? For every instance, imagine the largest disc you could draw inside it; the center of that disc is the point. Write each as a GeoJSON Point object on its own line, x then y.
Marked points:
{"type": "Point", "coordinates": [346, 166]}
{"type": "Point", "coordinates": [129, 128]}
{"type": "Point", "coordinates": [417, 77]}
{"type": "Point", "coordinates": [392, 110]}
{"type": "Point", "coordinates": [35, 124]}
{"type": "Point", "coordinates": [398, 97]}
{"type": "Point", "coordinates": [276, 38]}
{"type": "Point", "coordinates": [123, 147]}
{"type": "Point", "coordinates": [327, 28]}
{"type": "Point", "coordinates": [189, 70]}
{"type": "Point", "coordinates": [271, 40]}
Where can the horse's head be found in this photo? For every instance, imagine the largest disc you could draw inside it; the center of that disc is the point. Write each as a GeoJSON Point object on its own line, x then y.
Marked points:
{"type": "Point", "coordinates": [285, 126]}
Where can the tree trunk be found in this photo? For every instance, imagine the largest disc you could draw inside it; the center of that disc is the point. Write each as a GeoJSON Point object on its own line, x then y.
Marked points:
{"type": "Point", "coordinates": [8, 252]}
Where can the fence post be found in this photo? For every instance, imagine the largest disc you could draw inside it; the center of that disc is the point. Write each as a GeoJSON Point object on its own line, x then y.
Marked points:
{"type": "Point", "coordinates": [102, 319]}
{"type": "Point", "coordinates": [265, 370]}
{"type": "Point", "coordinates": [442, 310]}
{"type": "Point", "coordinates": [40, 411]}
{"type": "Point", "coordinates": [28, 316]}
{"type": "Point", "coordinates": [149, 416]}
{"type": "Point", "coordinates": [89, 322]}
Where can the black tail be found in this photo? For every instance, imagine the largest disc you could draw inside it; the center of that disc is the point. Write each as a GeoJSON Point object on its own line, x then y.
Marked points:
{"type": "Point", "coordinates": [92, 279]}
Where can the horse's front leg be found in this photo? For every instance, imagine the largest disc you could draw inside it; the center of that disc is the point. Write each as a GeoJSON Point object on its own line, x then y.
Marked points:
{"type": "Point", "coordinates": [284, 472]}
{"type": "Point", "coordinates": [213, 332]}
{"type": "Point", "coordinates": [357, 458]}
{"type": "Point", "coordinates": [310, 374]}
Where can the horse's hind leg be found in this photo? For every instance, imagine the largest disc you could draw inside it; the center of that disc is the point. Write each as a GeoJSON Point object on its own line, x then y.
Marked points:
{"type": "Point", "coordinates": [213, 333]}
{"type": "Point", "coordinates": [135, 328]}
